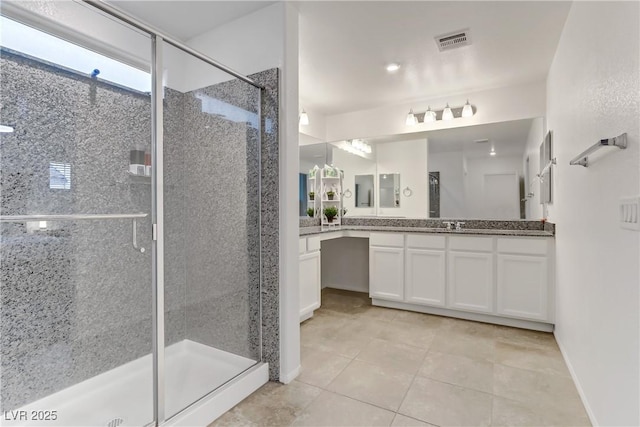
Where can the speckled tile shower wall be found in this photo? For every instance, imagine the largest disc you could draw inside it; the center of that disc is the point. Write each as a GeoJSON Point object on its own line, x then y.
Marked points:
{"type": "Point", "coordinates": [94, 312]}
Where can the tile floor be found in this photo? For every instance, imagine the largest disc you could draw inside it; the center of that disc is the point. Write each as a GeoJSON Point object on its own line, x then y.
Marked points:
{"type": "Point", "coordinates": [371, 366]}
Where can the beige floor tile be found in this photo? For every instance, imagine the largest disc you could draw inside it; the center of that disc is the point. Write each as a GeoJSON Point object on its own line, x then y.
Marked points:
{"type": "Point", "coordinates": [274, 404]}
{"type": "Point", "coordinates": [396, 355]}
{"type": "Point", "coordinates": [403, 421]}
{"type": "Point", "coordinates": [330, 409]}
{"type": "Point", "coordinates": [319, 367]}
{"type": "Point", "coordinates": [469, 328]}
{"type": "Point", "coordinates": [422, 319]}
{"type": "Point", "coordinates": [233, 419]}
{"type": "Point", "coordinates": [536, 358]}
{"type": "Point", "coordinates": [459, 370]}
{"type": "Point", "coordinates": [337, 344]}
{"type": "Point", "coordinates": [549, 393]}
{"type": "Point", "coordinates": [507, 412]}
{"type": "Point", "coordinates": [344, 301]}
{"type": "Point", "coordinates": [526, 337]}
{"type": "Point", "coordinates": [464, 344]}
{"type": "Point", "coordinates": [382, 386]}
{"type": "Point", "coordinates": [446, 405]}
{"type": "Point", "coordinates": [407, 333]}
{"type": "Point", "coordinates": [380, 313]}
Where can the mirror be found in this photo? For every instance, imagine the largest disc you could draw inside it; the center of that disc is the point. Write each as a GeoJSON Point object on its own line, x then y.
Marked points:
{"type": "Point", "coordinates": [364, 191]}
{"type": "Point", "coordinates": [448, 173]}
{"type": "Point", "coordinates": [484, 171]}
{"type": "Point", "coordinates": [389, 185]}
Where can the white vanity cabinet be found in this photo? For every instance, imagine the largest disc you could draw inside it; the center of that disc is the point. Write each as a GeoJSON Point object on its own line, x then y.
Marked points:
{"type": "Point", "coordinates": [386, 266]}
{"type": "Point", "coordinates": [470, 281]}
{"type": "Point", "coordinates": [309, 270]}
{"type": "Point", "coordinates": [496, 279]}
{"type": "Point", "coordinates": [425, 270]}
{"type": "Point", "coordinates": [523, 285]}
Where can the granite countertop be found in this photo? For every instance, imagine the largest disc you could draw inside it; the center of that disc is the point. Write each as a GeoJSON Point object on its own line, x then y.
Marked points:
{"type": "Point", "coordinates": [307, 231]}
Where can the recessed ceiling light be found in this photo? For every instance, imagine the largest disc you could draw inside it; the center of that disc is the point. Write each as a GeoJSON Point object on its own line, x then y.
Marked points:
{"type": "Point", "coordinates": [393, 67]}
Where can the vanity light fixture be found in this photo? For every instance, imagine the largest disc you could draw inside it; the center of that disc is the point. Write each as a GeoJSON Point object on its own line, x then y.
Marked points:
{"type": "Point", "coordinates": [393, 67]}
{"type": "Point", "coordinates": [447, 114]}
{"type": "Point", "coordinates": [411, 119]}
{"type": "Point", "coordinates": [304, 118]}
{"type": "Point", "coordinates": [467, 111]}
{"type": "Point", "coordinates": [429, 116]}
{"type": "Point", "coordinates": [6, 129]}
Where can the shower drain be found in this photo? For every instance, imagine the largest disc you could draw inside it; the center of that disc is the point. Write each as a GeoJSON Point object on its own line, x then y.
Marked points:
{"type": "Point", "coordinates": [115, 422]}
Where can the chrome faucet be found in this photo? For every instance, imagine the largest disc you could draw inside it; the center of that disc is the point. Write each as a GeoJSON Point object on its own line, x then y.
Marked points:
{"type": "Point", "coordinates": [448, 224]}
{"type": "Point", "coordinates": [459, 225]}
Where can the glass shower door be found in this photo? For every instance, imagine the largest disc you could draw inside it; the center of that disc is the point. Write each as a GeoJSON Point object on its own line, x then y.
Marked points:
{"type": "Point", "coordinates": [75, 226]}
{"type": "Point", "coordinates": [211, 228]}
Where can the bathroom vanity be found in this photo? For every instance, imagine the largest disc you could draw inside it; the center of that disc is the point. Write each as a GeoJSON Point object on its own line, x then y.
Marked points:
{"type": "Point", "coordinates": [495, 275]}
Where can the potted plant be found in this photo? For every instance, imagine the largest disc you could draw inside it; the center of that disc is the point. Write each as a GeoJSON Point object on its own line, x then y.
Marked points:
{"type": "Point", "coordinates": [310, 212]}
{"type": "Point", "coordinates": [330, 212]}
{"type": "Point", "coordinates": [330, 194]}
{"type": "Point", "coordinates": [312, 195]}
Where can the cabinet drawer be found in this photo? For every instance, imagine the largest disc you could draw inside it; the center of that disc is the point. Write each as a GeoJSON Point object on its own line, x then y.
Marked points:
{"type": "Point", "coordinates": [387, 239]}
{"type": "Point", "coordinates": [421, 241]}
{"type": "Point", "coordinates": [302, 246]}
{"type": "Point", "coordinates": [523, 245]}
{"type": "Point", "coordinates": [469, 243]}
{"type": "Point", "coordinates": [313, 244]}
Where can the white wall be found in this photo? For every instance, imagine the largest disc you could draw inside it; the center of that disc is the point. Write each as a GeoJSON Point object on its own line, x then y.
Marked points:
{"type": "Point", "coordinates": [353, 165]}
{"type": "Point", "coordinates": [592, 91]}
{"type": "Point", "coordinates": [409, 159]}
{"type": "Point", "coordinates": [532, 151]}
{"type": "Point", "coordinates": [452, 197]}
{"type": "Point", "coordinates": [494, 105]}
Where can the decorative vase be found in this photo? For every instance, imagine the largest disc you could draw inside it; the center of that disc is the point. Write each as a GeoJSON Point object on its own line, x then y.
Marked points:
{"type": "Point", "coordinates": [330, 196]}
{"type": "Point", "coordinates": [330, 218]}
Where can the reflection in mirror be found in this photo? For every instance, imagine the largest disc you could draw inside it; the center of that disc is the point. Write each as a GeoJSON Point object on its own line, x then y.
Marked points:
{"type": "Point", "coordinates": [389, 189]}
{"type": "Point", "coordinates": [311, 155]}
{"type": "Point", "coordinates": [484, 171]}
{"type": "Point", "coordinates": [364, 191]}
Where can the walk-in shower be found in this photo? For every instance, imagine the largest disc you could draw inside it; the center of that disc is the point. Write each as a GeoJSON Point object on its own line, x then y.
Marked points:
{"type": "Point", "coordinates": [130, 223]}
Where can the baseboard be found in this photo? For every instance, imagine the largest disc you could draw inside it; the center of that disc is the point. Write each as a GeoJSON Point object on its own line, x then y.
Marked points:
{"type": "Point", "coordinates": [288, 377]}
{"type": "Point", "coordinates": [574, 377]}
{"type": "Point", "coordinates": [477, 317]}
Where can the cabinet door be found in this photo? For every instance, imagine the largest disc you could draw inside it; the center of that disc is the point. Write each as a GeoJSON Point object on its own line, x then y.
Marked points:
{"type": "Point", "coordinates": [470, 281]}
{"type": "Point", "coordinates": [425, 277]}
{"type": "Point", "coordinates": [309, 282]}
{"type": "Point", "coordinates": [523, 283]}
{"type": "Point", "coordinates": [386, 273]}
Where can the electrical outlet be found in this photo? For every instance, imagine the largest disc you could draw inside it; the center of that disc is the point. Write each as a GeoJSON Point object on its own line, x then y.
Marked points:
{"type": "Point", "coordinates": [630, 213]}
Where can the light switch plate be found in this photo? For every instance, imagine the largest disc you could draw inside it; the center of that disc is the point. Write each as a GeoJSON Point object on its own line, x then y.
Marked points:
{"type": "Point", "coordinates": [630, 213]}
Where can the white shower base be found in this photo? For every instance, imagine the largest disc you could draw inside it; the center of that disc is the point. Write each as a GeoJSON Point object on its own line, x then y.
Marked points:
{"type": "Point", "coordinates": [191, 371]}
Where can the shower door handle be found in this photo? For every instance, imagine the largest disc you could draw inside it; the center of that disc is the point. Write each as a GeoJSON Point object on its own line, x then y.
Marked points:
{"type": "Point", "coordinates": [134, 236]}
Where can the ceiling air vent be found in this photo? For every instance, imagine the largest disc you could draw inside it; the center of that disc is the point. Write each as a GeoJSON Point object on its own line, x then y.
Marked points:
{"type": "Point", "coordinates": [453, 40]}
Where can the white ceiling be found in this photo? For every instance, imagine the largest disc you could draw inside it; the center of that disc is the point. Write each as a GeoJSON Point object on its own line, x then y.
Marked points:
{"type": "Point", "coordinates": [185, 19]}
{"type": "Point", "coordinates": [344, 47]}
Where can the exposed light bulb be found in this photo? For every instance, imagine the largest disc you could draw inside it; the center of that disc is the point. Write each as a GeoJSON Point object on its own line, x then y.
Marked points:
{"type": "Point", "coordinates": [411, 118]}
{"type": "Point", "coordinates": [467, 110]}
{"type": "Point", "coordinates": [492, 152]}
{"type": "Point", "coordinates": [304, 118]}
{"type": "Point", "coordinates": [393, 67]}
{"type": "Point", "coordinates": [429, 116]}
{"type": "Point", "coordinates": [447, 114]}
